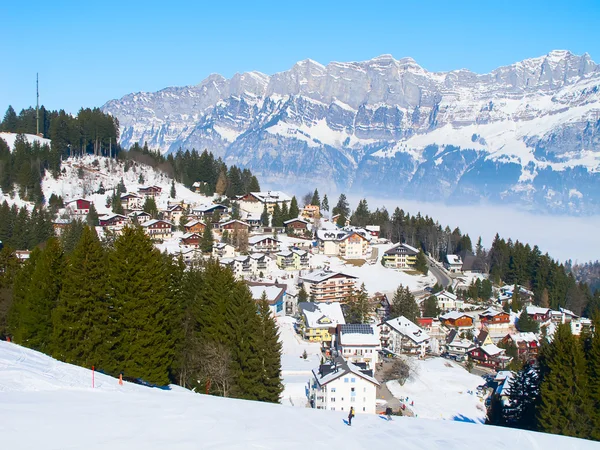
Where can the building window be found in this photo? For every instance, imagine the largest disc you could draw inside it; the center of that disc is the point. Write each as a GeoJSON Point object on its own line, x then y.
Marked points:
{"type": "Point", "coordinates": [345, 380]}
{"type": "Point", "coordinates": [364, 389]}
{"type": "Point", "coordinates": [332, 389]}
{"type": "Point", "coordinates": [333, 408]}
{"type": "Point", "coordinates": [364, 409]}
{"type": "Point", "coordinates": [353, 380]}
{"type": "Point", "coordinates": [352, 399]}
{"type": "Point", "coordinates": [332, 399]}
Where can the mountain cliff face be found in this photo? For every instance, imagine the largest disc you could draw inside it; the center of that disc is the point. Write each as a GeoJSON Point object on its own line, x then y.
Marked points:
{"type": "Point", "coordinates": [526, 134]}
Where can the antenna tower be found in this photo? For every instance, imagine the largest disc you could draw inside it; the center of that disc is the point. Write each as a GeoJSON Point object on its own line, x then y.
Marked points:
{"type": "Point", "coordinates": [37, 105]}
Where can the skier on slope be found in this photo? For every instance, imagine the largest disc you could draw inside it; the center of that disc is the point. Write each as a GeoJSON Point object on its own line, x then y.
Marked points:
{"type": "Point", "coordinates": [350, 415]}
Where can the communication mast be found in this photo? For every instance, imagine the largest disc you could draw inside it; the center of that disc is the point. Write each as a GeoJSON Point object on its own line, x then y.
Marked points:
{"type": "Point", "coordinates": [37, 105]}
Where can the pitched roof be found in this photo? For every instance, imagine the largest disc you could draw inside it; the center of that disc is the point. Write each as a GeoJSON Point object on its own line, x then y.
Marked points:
{"type": "Point", "coordinates": [408, 329]}
{"type": "Point", "coordinates": [297, 219]}
{"type": "Point", "coordinates": [358, 334]}
{"type": "Point", "coordinates": [339, 368]}
{"type": "Point", "coordinates": [537, 310]}
{"type": "Point", "coordinates": [149, 223]}
{"type": "Point", "coordinates": [401, 249]}
{"type": "Point", "coordinates": [491, 312]}
{"type": "Point", "coordinates": [271, 196]}
{"type": "Point", "coordinates": [260, 238]}
{"type": "Point", "coordinates": [322, 315]}
{"type": "Point", "coordinates": [453, 259]}
{"type": "Point", "coordinates": [235, 221]}
{"type": "Point", "coordinates": [492, 350]}
{"type": "Point", "coordinates": [453, 315]}
{"type": "Point", "coordinates": [318, 276]}
{"type": "Point", "coordinates": [450, 295]}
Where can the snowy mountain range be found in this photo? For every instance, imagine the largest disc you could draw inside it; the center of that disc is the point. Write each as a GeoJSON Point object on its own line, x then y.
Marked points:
{"type": "Point", "coordinates": [525, 134]}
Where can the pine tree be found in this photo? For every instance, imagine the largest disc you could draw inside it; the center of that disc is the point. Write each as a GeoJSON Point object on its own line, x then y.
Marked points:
{"type": "Point", "coordinates": [10, 121]}
{"type": "Point", "coordinates": [264, 217]}
{"type": "Point", "coordinates": [277, 219]}
{"type": "Point", "coordinates": [80, 319]}
{"type": "Point", "coordinates": [173, 192]}
{"type": "Point", "coordinates": [515, 303]}
{"type": "Point", "coordinates": [342, 207]}
{"type": "Point", "coordinates": [269, 352]}
{"type": "Point", "coordinates": [142, 310]}
{"type": "Point", "coordinates": [40, 298]}
{"type": "Point", "coordinates": [421, 263]}
{"type": "Point", "coordinates": [523, 398]}
{"type": "Point", "coordinates": [294, 210]}
{"type": "Point", "coordinates": [302, 295]}
{"type": "Point", "coordinates": [254, 186]}
{"type": "Point", "coordinates": [325, 203]}
{"type": "Point", "coordinates": [207, 242]}
{"type": "Point", "coordinates": [566, 407]}
{"type": "Point", "coordinates": [316, 200]}
{"type": "Point", "coordinates": [341, 221]}
{"type": "Point", "coordinates": [593, 363]}
{"type": "Point", "coordinates": [221, 186]}
{"type": "Point", "coordinates": [150, 207]}
{"type": "Point", "coordinates": [404, 304]}
{"type": "Point", "coordinates": [358, 309]}
{"type": "Point", "coordinates": [430, 307]}
{"type": "Point", "coordinates": [526, 323]}
{"type": "Point", "coordinates": [92, 217]}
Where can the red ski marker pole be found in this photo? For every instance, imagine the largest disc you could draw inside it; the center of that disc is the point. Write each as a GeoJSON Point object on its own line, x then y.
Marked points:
{"type": "Point", "coordinates": [92, 377]}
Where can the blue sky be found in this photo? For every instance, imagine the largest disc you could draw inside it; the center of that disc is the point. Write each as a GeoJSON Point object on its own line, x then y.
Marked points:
{"type": "Point", "coordinates": [90, 52]}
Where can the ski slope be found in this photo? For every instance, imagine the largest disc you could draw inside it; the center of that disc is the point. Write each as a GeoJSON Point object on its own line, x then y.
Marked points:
{"type": "Point", "coordinates": [45, 404]}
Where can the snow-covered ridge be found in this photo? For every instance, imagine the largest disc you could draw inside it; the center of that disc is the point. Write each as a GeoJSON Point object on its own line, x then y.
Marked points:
{"type": "Point", "coordinates": [10, 138]}
{"type": "Point", "coordinates": [342, 125]}
{"type": "Point", "coordinates": [48, 404]}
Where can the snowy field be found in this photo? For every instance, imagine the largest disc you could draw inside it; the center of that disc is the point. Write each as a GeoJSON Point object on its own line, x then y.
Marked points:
{"type": "Point", "coordinates": [439, 391]}
{"type": "Point", "coordinates": [45, 404]}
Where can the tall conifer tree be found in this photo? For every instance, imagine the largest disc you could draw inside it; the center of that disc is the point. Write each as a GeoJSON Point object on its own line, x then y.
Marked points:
{"type": "Point", "coordinates": [80, 335]}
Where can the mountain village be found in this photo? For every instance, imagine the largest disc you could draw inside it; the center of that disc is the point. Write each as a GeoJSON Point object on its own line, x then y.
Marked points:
{"type": "Point", "coordinates": [310, 270]}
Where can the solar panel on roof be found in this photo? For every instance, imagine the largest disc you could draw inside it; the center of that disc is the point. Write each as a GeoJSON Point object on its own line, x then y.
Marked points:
{"type": "Point", "coordinates": [357, 328]}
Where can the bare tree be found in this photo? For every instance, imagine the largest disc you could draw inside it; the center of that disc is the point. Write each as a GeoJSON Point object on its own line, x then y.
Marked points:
{"type": "Point", "coordinates": [400, 370]}
{"type": "Point", "coordinates": [215, 366]}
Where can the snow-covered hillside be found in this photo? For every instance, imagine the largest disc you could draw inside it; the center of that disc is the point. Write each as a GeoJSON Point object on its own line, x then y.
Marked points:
{"type": "Point", "coordinates": [9, 138]}
{"type": "Point", "coordinates": [528, 133]}
{"type": "Point", "coordinates": [51, 405]}
{"type": "Point", "coordinates": [95, 170]}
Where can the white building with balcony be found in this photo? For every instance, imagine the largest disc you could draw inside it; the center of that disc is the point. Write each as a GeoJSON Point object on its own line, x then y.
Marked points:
{"type": "Point", "coordinates": [340, 385]}
{"type": "Point", "coordinates": [359, 343]}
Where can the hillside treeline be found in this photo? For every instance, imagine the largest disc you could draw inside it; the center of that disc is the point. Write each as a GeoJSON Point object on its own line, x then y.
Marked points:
{"type": "Point", "coordinates": [125, 308]}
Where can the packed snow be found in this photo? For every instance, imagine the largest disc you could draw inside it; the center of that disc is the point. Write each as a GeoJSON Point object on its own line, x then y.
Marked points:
{"type": "Point", "coordinates": [441, 389]}
{"type": "Point", "coordinates": [51, 405]}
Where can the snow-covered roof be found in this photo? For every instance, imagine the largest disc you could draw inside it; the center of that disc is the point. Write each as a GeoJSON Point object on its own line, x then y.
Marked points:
{"type": "Point", "coordinates": [250, 216]}
{"type": "Point", "coordinates": [322, 315]}
{"type": "Point", "coordinates": [297, 219]}
{"type": "Point", "coordinates": [220, 245]}
{"type": "Point", "coordinates": [189, 235]}
{"type": "Point", "coordinates": [447, 294]}
{"type": "Point", "coordinates": [568, 312]}
{"type": "Point", "coordinates": [149, 223]}
{"type": "Point", "coordinates": [112, 216]}
{"type": "Point", "coordinates": [341, 368]}
{"type": "Point", "coordinates": [271, 196]}
{"type": "Point", "coordinates": [331, 235]}
{"type": "Point", "coordinates": [193, 222]}
{"type": "Point", "coordinates": [461, 343]}
{"type": "Point", "coordinates": [401, 248]}
{"type": "Point", "coordinates": [205, 208]}
{"type": "Point", "coordinates": [257, 256]}
{"type": "Point", "coordinates": [453, 260]}
{"type": "Point", "coordinates": [524, 337]}
{"type": "Point", "coordinates": [373, 228]}
{"type": "Point", "coordinates": [272, 292]}
{"type": "Point", "coordinates": [492, 350]}
{"type": "Point", "coordinates": [491, 312]}
{"type": "Point", "coordinates": [358, 334]}
{"type": "Point", "coordinates": [408, 329]}
{"type": "Point", "coordinates": [322, 275]}
{"type": "Point", "coordinates": [537, 310]}
{"type": "Point", "coordinates": [235, 221]}
{"type": "Point", "coordinates": [260, 238]}
{"type": "Point", "coordinates": [138, 213]}
{"type": "Point", "coordinates": [453, 315]}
